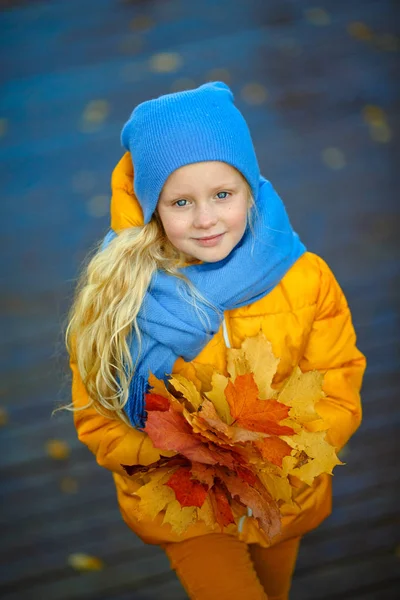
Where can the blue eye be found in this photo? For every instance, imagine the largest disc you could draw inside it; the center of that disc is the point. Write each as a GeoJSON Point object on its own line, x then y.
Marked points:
{"type": "Point", "coordinates": [222, 197]}
{"type": "Point", "coordinates": [178, 202]}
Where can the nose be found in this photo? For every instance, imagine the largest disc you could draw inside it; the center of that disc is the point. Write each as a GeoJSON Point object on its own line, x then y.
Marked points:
{"type": "Point", "coordinates": [205, 217]}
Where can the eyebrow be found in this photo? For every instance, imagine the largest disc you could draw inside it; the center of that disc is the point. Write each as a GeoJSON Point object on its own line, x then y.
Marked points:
{"type": "Point", "coordinates": [222, 186]}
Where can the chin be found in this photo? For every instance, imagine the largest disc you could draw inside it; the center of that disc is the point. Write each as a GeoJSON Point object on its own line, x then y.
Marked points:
{"type": "Point", "coordinates": [212, 256]}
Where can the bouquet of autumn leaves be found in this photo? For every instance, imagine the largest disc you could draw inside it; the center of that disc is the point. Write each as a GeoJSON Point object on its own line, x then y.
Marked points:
{"type": "Point", "coordinates": [234, 444]}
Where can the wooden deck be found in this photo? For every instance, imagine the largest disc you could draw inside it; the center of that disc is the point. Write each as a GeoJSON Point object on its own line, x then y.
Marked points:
{"type": "Point", "coordinates": [317, 85]}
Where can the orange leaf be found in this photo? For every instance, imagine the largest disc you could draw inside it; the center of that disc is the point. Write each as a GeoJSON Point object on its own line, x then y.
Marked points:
{"type": "Point", "coordinates": [221, 507]}
{"type": "Point", "coordinates": [252, 413]}
{"type": "Point", "coordinates": [273, 450]}
{"type": "Point", "coordinates": [188, 492]}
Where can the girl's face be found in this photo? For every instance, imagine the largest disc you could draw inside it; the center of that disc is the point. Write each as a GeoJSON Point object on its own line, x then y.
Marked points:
{"type": "Point", "coordinates": [203, 209]}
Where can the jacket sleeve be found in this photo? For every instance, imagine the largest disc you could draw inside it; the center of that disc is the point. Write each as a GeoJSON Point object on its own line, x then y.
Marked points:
{"type": "Point", "coordinates": [112, 442]}
{"type": "Point", "coordinates": [331, 349]}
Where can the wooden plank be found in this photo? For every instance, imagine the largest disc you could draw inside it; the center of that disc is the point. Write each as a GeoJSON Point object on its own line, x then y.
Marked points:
{"type": "Point", "coordinates": [346, 577]}
{"type": "Point", "coordinates": [129, 573]}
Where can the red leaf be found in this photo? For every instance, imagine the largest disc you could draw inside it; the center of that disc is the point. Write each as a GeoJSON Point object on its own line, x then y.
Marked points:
{"type": "Point", "coordinates": [188, 492]}
{"type": "Point", "coordinates": [247, 475]}
{"type": "Point", "coordinates": [203, 473]}
{"type": "Point", "coordinates": [221, 507]}
{"type": "Point", "coordinates": [257, 498]}
{"type": "Point", "coordinates": [156, 402]}
{"type": "Point", "coordinates": [168, 430]}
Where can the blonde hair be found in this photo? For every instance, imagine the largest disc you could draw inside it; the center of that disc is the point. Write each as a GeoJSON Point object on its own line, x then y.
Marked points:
{"type": "Point", "coordinates": [107, 302]}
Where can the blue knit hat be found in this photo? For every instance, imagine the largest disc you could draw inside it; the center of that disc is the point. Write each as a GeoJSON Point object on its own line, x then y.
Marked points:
{"type": "Point", "coordinates": [178, 129]}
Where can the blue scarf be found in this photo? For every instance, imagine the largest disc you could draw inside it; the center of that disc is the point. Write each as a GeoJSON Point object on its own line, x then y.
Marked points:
{"type": "Point", "coordinates": [169, 323]}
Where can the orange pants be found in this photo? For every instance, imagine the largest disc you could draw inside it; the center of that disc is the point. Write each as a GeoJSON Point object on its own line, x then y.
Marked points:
{"type": "Point", "coordinates": [221, 567]}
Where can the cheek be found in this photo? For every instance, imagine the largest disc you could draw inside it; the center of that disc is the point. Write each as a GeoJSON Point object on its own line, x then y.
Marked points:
{"type": "Point", "coordinates": [238, 218]}
{"type": "Point", "coordinates": [175, 227]}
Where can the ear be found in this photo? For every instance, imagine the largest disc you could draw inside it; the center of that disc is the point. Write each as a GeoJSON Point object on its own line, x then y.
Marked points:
{"type": "Point", "coordinates": [125, 208]}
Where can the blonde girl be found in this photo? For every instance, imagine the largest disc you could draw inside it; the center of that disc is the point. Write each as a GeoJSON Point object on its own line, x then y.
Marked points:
{"type": "Point", "coordinates": [201, 255]}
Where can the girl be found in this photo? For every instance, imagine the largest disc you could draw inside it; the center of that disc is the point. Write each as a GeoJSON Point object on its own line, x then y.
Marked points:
{"type": "Point", "coordinates": [202, 255]}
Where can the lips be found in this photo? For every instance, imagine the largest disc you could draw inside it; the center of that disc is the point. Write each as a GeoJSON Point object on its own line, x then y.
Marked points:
{"type": "Point", "coordinates": [209, 237]}
{"type": "Point", "coordinates": [209, 241]}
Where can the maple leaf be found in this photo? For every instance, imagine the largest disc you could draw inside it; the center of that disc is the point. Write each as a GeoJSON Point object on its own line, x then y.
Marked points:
{"type": "Point", "coordinates": [85, 562]}
{"type": "Point", "coordinates": [257, 498]}
{"type": "Point", "coordinates": [209, 415]}
{"type": "Point", "coordinates": [251, 412]}
{"type": "Point", "coordinates": [156, 402]}
{"type": "Point", "coordinates": [188, 491]}
{"type": "Point", "coordinates": [179, 518]}
{"type": "Point", "coordinates": [169, 431]}
{"type": "Point", "coordinates": [154, 495]}
{"type": "Point", "coordinates": [204, 374]}
{"type": "Point", "coordinates": [132, 470]}
{"type": "Point", "coordinates": [273, 449]}
{"type": "Point", "coordinates": [158, 387]}
{"type": "Point", "coordinates": [203, 473]}
{"type": "Point", "coordinates": [237, 363]}
{"type": "Point", "coordinates": [217, 397]}
{"type": "Point", "coordinates": [259, 354]}
{"type": "Point", "coordinates": [187, 389]}
{"type": "Point", "coordinates": [277, 485]}
{"type": "Point", "coordinates": [221, 507]}
{"type": "Point", "coordinates": [301, 392]}
{"type": "Point", "coordinates": [320, 456]}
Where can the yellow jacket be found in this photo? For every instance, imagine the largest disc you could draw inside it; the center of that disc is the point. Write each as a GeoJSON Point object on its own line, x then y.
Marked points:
{"type": "Point", "coordinates": [308, 322]}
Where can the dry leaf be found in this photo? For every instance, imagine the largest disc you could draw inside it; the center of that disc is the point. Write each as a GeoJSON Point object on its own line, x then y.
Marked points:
{"type": "Point", "coordinates": [252, 413]}
{"type": "Point", "coordinates": [301, 392]}
{"type": "Point", "coordinates": [85, 562]}
{"type": "Point", "coordinates": [187, 389]}
{"type": "Point", "coordinates": [322, 454]}
{"type": "Point", "coordinates": [273, 449]}
{"type": "Point", "coordinates": [236, 363]}
{"type": "Point", "coordinates": [220, 505]}
{"type": "Point", "coordinates": [217, 397]}
{"type": "Point", "coordinates": [258, 353]}
{"type": "Point", "coordinates": [57, 449]}
{"type": "Point", "coordinates": [188, 491]}
{"type": "Point", "coordinates": [179, 518]}
{"type": "Point", "coordinates": [154, 496]}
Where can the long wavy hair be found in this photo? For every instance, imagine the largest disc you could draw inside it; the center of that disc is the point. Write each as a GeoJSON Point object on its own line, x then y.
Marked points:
{"type": "Point", "coordinates": [107, 301]}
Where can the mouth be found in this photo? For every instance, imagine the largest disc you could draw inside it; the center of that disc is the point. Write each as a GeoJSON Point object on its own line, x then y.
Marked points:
{"type": "Point", "coordinates": [211, 240]}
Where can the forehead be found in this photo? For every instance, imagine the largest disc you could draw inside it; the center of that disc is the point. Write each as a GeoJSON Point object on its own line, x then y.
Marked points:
{"type": "Point", "coordinates": [201, 175]}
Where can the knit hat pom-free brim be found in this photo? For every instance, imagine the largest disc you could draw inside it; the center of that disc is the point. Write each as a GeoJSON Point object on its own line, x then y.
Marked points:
{"type": "Point", "coordinates": [175, 130]}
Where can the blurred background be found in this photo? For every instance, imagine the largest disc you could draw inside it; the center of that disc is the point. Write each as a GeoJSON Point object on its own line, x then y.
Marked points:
{"type": "Point", "coordinates": [317, 84]}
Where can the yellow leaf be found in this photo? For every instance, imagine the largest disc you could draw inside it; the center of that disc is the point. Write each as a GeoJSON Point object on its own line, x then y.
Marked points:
{"type": "Point", "coordinates": [278, 487]}
{"type": "Point", "coordinates": [236, 363]}
{"type": "Point", "coordinates": [322, 454]}
{"type": "Point", "coordinates": [69, 485]}
{"type": "Point", "coordinates": [301, 392]}
{"type": "Point", "coordinates": [218, 398]}
{"type": "Point", "coordinates": [154, 496]}
{"type": "Point", "coordinates": [57, 449]}
{"type": "Point", "coordinates": [85, 562]}
{"type": "Point", "coordinates": [260, 357]}
{"type": "Point", "coordinates": [3, 417]}
{"type": "Point", "coordinates": [179, 518]}
{"type": "Point", "coordinates": [188, 389]}
{"type": "Point", "coordinates": [204, 375]}
{"type": "Point", "coordinates": [206, 514]}
{"type": "Point", "coordinates": [189, 372]}
{"type": "Point", "coordinates": [158, 387]}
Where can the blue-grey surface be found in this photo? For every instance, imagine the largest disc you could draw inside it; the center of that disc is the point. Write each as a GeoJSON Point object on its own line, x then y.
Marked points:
{"type": "Point", "coordinates": [317, 85]}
